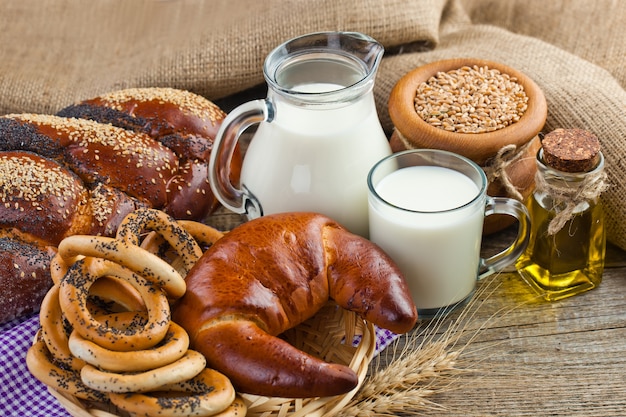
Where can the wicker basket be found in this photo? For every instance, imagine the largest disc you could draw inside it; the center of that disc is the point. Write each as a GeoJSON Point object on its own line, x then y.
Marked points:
{"type": "Point", "coordinates": [324, 335]}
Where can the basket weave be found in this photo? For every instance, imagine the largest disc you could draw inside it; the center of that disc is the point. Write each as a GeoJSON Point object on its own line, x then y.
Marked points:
{"type": "Point", "coordinates": [328, 335]}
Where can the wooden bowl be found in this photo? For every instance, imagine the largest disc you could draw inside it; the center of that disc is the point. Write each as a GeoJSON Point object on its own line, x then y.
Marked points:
{"type": "Point", "coordinates": [412, 132]}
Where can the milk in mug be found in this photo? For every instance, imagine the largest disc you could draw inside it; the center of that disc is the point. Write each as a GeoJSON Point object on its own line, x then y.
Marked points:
{"type": "Point", "coordinates": [317, 159]}
{"type": "Point", "coordinates": [436, 240]}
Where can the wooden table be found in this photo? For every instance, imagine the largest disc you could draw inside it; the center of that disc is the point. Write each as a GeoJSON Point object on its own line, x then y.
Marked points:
{"type": "Point", "coordinates": [521, 355]}
{"type": "Point", "coordinates": [533, 357]}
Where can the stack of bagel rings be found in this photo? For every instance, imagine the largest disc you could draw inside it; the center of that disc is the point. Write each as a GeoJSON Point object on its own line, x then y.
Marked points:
{"type": "Point", "coordinates": [106, 334]}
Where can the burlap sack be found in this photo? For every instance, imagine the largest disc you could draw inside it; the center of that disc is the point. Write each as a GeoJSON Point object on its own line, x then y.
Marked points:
{"type": "Point", "coordinates": [579, 94]}
{"type": "Point", "coordinates": [56, 52]}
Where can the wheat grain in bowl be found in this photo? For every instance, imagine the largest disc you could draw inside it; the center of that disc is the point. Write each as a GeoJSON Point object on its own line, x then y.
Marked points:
{"type": "Point", "coordinates": [459, 88]}
{"type": "Point", "coordinates": [471, 99]}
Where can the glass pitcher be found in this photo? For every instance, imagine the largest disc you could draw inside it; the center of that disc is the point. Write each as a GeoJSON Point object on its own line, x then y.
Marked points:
{"type": "Point", "coordinates": [318, 132]}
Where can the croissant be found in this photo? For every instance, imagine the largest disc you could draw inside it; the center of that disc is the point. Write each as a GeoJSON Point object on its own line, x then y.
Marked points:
{"type": "Point", "coordinates": [269, 275]}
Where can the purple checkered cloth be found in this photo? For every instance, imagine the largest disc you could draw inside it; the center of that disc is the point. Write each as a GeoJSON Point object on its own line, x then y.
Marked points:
{"type": "Point", "coordinates": [23, 395]}
{"type": "Point", "coordinates": [20, 393]}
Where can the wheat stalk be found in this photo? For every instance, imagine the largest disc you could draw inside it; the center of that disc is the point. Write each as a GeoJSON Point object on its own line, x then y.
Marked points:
{"type": "Point", "coordinates": [429, 362]}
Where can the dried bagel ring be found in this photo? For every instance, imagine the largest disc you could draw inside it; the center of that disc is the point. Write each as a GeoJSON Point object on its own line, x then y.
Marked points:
{"type": "Point", "coordinates": [42, 366]}
{"type": "Point", "coordinates": [204, 234]}
{"type": "Point", "coordinates": [113, 290]}
{"type": "Point", "coordinates": [132, 257]}
{"type": "Point", "coordinates": [54, 333]}
{"type": "Point", "coordinates": [59, 267]}
{"type": "Point", "coordinates": [156, 244]}
{"type": "Point", "coordinates": [73, 293]}
{"type": "Point", "coordinates": [117, 291]}
{"type": "Point", "coordinates": [139, 221]}
{"type": "Point", "coordinates": [238, 408]}
{"type": "Point", "coordinates": [190, 365]}
{"type": "Point", "coordinates": [210, 393]}
{"type": "Point", "coordinates": [172, 348]}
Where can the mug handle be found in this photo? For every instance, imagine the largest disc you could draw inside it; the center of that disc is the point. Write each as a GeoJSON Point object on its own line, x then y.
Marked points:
{"type": "Point", "coordinates": [239, 200]}
{"type": "Point", "coordinates": [511, 207]}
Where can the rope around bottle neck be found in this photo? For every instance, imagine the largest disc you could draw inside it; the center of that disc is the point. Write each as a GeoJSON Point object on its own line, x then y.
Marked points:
{"type": "Point", "coordinates": [566, 197]}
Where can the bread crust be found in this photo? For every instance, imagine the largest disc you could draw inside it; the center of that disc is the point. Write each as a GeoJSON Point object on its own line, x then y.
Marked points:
{"type": "Point", "coordinates": [25, 277]}
{"type": "Point", "coordinates": [184, 122]}
{"type": "Point", "coordinates": [85, 169]}
{"type": "Point", "coordinates": [272, 273]}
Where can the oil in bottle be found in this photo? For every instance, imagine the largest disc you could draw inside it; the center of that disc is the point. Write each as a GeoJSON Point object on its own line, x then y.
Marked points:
{"type": "Point", "coordinates": [565, 255]}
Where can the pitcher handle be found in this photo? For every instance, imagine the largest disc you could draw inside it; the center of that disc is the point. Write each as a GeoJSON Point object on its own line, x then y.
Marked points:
{"type": "Point", "coordinates": [239, 200]}
{"type": "Point", "coordinates": [511, 207]}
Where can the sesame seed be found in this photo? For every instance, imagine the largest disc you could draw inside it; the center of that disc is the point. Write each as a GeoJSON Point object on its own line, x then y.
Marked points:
{"type": "Point", "coordinates": [30, 179]}
{"type": "Point", "coordinates": [141, 147]}
{"type": "Point", "coordinates": [188, 102]}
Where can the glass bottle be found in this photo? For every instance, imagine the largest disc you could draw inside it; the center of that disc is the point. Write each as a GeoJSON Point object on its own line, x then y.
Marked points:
{"type": "Point", "coordinates": [566, 252]}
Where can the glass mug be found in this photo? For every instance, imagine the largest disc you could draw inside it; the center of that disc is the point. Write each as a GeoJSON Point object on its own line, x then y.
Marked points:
{"type": "Point", "coordinates": [318, 132]}
{"type": "Point", "coordinates": [426, 210]}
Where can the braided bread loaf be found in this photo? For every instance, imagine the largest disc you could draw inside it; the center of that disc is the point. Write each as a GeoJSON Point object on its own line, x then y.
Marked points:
{"type": "Point", "coordinates": [179, 120]}
{"type": "Point", "coordinates": [75, 173]}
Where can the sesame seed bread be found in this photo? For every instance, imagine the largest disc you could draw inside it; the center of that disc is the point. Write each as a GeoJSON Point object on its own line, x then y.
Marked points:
{"type": "Point", "coordinates": [83, 170]}
{"type": "Point", "coordinates": [42, 198]}
{"type": "Point", "coordinates": [182, 121]}
{"type": "Point", "coordinates": [24, 277]}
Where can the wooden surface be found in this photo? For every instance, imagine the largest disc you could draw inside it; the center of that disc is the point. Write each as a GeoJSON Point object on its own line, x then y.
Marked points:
{"type": "Point", "coordinates": [533, 357]}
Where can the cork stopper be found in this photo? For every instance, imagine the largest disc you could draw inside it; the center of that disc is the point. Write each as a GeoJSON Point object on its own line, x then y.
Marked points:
{"type": "Point", "coordinates": [571, 150]}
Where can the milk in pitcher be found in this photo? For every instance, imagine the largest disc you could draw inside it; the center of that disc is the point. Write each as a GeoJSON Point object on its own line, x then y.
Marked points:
{"type": "Point", "coordinates": [283, 168]}
{"type": "Point", "coordinates": [318, 133]}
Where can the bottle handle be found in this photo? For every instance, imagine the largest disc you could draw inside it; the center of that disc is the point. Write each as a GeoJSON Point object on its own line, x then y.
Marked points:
{"type": "Point", "coordinates": [239, 200]}
{"type": "Point", "coordinates": [511, 207]}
